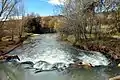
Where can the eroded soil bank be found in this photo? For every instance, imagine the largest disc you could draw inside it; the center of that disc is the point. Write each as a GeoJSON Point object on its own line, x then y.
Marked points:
{"type": "Point", "coordinates": [9, 45]}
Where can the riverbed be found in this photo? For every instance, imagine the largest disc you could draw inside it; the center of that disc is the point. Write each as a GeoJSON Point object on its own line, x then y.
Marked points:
{"type": "Point", "coordinates": [45, 57]}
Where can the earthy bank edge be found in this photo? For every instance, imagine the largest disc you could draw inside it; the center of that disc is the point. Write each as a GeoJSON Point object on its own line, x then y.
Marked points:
{"type": "Point", "coordinates": [11, 45]}
{"type": "Point", "coordinates": [111, 51]}
{"type": "Point", "coordinates": [109, 46]}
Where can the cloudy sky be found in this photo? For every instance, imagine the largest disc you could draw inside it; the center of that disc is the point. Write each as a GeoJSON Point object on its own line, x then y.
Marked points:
{"type": "Point", "coordinates": [42, 7]}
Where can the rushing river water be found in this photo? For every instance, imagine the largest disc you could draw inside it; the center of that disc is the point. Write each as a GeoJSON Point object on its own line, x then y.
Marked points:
{"type": "Point", "coordinates": [44, 57]}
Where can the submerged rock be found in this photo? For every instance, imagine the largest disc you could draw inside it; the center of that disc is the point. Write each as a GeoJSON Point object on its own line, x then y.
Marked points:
{"type": "Point", "coordinates": [27, 64]}
{"type": "Point", "coordinates": [42, 65]}
{"type": "Point", "coordinates": [80, 64]}
{"type": "Point", "coordinates": [9, 58]}
{"type": "Point", "coordinates": [59, 66]}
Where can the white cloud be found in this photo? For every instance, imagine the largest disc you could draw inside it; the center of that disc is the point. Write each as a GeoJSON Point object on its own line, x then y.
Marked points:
{"type": "Point", "coordinates": [56, 2]}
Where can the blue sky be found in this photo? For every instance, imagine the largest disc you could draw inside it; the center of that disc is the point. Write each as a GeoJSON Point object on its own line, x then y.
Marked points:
{"type": "Point", "coordinates": [42, 7]}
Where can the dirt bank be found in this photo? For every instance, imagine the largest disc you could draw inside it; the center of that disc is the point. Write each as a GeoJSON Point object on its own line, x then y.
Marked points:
{"type": "Point", "coordinates": [8, 46]}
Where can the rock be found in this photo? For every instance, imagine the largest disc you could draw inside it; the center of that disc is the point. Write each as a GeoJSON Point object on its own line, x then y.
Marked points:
{"type": "Point", "coordinates": [59, 65]}
{"type": "Point", "coordinates": [79, 64]}
{"type": "Point", "coordinates": [115, 78]}
{"type": "Point", "coordinates": [9, 57]}
{"type": "Point", "coordinates": [71, 39]}
{"type": "Point", "coordinates": [28, 63]}
{"type": "Point", "coordinates": [42, 65]}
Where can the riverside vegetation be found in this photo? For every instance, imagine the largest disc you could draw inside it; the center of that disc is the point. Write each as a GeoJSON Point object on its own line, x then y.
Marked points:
{"type": "Point", "coordinates": [88, 28]}
{"type": "Point", "coordinates": [87, 24]}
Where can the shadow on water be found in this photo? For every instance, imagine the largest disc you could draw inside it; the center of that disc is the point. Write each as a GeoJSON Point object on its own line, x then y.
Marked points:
{"type": "Point", "coordinates": [10, 71]}
{"type": "Point", "coordinates": [96, 73]}
{"type": "Point", "coordinates": [19, 71]}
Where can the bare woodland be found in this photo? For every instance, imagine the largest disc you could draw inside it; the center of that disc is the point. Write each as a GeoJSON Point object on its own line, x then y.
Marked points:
{"type": "Point", "coordinates": [11, 11]}
{"type": "Point", "coordinates": [85, 20]}
{"type": "Point", "coordinates": [91, 18]}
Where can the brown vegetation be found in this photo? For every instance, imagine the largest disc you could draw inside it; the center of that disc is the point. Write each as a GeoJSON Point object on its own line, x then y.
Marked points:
{"type": "Point", "coordinates": [92, 30]}
{"type": "Point", "coordinates": [11, 24]}
{"type": "Point", "coordinates": [51, 22]}
{"type": "Point", "coordinates": [106, 46]}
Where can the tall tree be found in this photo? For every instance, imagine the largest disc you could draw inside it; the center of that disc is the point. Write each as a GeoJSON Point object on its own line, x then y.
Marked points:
{"type": "Point", "coordinates": [17, 15]}
{"type": "Point", "coordinates": [32, 24]}
{"type": "Point", "coordinates": [75, 12]}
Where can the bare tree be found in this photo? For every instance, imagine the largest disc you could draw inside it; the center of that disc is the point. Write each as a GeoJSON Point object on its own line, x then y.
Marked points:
{"type": "Point", "coordinates": [6, 8]}
{"type": "Point", "coordinates": [75, 12]}
{"type": "Point", "coordinates": [81, 16]}
{"type": "Point", "coordinates": [18, 14]}
{"type": "Point", "coordinates": [21, 16]}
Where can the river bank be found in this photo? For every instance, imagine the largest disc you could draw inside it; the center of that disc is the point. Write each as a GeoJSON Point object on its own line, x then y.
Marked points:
{"type": "Point", "coordinates": [7, 45]}
{"type": "Point", "coordinates": [110, 47]}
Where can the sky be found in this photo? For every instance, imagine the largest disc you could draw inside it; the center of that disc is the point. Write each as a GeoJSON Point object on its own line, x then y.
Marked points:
{"type": "Point", "coordinates": [42, 7]}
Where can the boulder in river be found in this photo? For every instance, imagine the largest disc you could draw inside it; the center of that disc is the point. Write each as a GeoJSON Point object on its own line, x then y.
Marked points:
{"type": "Point", "coordinates": [42, 65]}
{"type": "Point", "coordinates": [27, 64]}
{"type": "Point", "coordinates": [9, 57]}
{"type": "Point", "coordinates": [59, 66]}
{"type": "Point", "coordinates": [81, 64]}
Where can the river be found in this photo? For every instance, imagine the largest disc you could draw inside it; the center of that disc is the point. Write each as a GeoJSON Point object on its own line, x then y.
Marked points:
{"type": "Point", "coordinates": [45, 57]}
